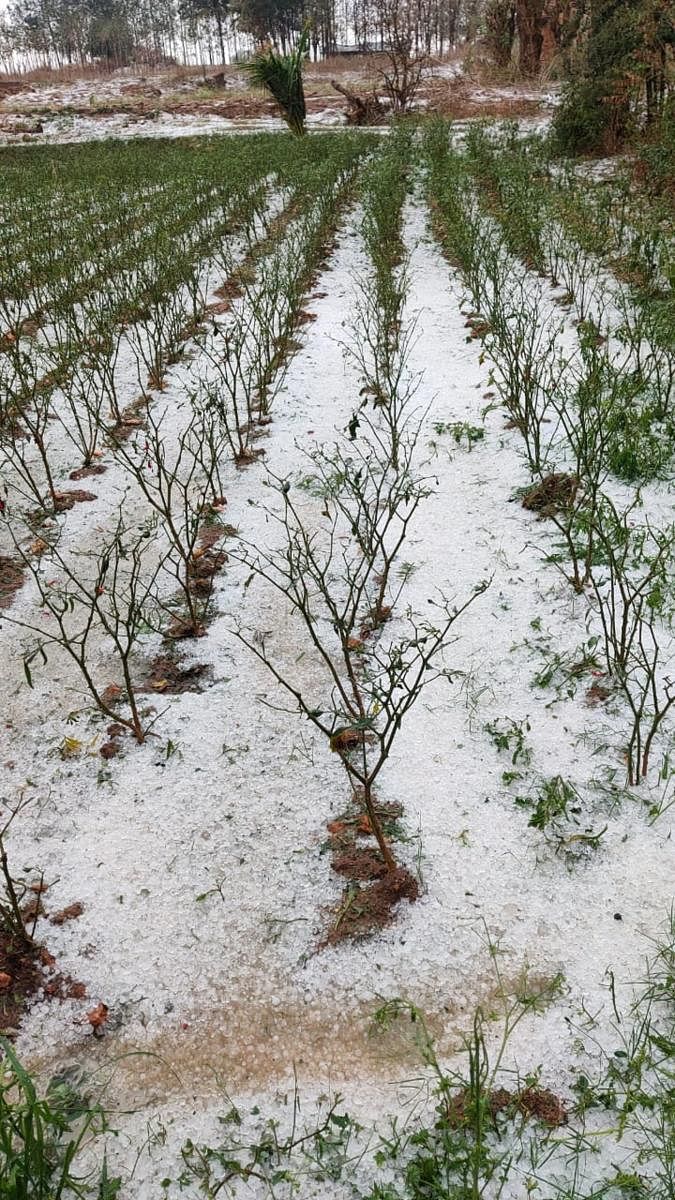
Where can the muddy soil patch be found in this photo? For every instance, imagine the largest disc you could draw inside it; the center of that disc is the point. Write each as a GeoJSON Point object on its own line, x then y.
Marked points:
{"type": "Point", "coordinates": [253, 1043]}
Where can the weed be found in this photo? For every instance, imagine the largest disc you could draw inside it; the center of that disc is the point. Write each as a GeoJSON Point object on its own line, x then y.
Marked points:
{"type": "Point", "coordinates": [44, 1138]}
{"type": "Point", "coordinates": [555, 798]}
{"type": "Point", "coordinates": [460, 431]}
{"type": "Point", "coordinates": [511, 736]}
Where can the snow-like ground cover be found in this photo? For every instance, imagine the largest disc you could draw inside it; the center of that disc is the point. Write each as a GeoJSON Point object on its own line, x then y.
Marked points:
{"type": "Point", "coordinates": [127, 105]}
{"type": "Point", "coordinates": [198, 856]}
{"type": "Point", "coordinates": [70, 128]}
{"type": "Point", "coordinates": [67, 129]}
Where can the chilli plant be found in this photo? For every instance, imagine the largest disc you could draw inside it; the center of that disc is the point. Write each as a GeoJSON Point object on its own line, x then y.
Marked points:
{"type": "Point", "coordinates": [281, 76]}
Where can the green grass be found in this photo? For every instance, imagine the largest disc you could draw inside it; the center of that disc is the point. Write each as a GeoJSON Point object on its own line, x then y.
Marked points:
{"type": "Point", "coordinates": [43, 1135]}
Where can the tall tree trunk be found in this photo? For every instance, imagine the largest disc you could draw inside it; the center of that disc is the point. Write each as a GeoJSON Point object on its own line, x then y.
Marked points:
{"type": "Point", "coordinates": [221, 39]}
{"type": "Point", "coordinates": [529, 17]}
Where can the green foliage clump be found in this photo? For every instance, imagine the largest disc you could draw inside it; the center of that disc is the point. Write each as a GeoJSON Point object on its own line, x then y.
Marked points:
{"type": "Point", "coordinates": [622, 78]}
{"type": "Point", "coordinates": [657, 156]}
{"type": "Point", "coordinates": [43, 1136]}
{"type": "Point", "coordinates": [635, 452]}
{"type": "Point", "coordinates": [281, 76]}
{"type": "Point", "coordinates": [597, 107]}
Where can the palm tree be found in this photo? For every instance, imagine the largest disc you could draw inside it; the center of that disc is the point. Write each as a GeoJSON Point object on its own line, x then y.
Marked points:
{"type": "Point", "coordinates": [281, 75]}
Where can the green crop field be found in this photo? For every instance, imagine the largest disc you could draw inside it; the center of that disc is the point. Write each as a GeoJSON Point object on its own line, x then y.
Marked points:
{"type": "Point", "coordinates": [337, 562]}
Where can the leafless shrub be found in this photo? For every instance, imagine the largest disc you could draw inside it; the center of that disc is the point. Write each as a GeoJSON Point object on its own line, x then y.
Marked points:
{"type": "Point", "coordinates": [95, 605]}
{"type": "Point", "coordinates": [181, 485]}
{"type": "Point", "coordinates": [631, 593]}
{"type": "Point", "coordinates": [339, 581]}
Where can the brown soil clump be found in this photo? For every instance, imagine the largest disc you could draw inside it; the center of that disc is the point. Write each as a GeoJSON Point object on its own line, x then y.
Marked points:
{"type": "Point", "coordinates": [231, 289]}
{"type": "Point", "coordinates": [12, 573]}
{"type": "Point", "coordinates": [540, 1103]}
{"type": "Point", "coordinates": [129, 421]}
{"type": "Point", "coordinates": [64, 501]}
{"type": "Point", "coordinates": [377, 617]}
{"type": "Point", "coordinates": [22, 978]}
{"type": "Point", "coordinates": [206, 560]}
{"type": "Point", "coordinates": [359, 864]}
{"type": "Point", "coordinates": [556, 492]}
{"type": "Point", "coordinates": [112, 748]}
{"type": "Point", "coordinates": [478, 325]}
{"type": "Point", "coordinates": [181, 630]}
{"type": "Point", "coordinates": [70, 913]}
{"type": "Point", "coordinates": [86, 472]}
{"type": "Point", "coordinates": [167, 677]}
{"type": "Point", "coordinates": [365, 910]}
{"type": "Point", "coordinates": [247, 457]}
{"type": "Point", "coordinates": [202, 570]}
{"type": "Point", "coordinates": [356, 823]}
{"type": "Point", "coordinates": [26, 971]}
{"type": "Point", "coordinates": [597, 693]}
{"type": "Point", "coordinates": [543, 1104]}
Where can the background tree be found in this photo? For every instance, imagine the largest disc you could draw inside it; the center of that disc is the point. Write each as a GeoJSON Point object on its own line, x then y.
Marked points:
{"type": "Point", "coordinates": [214, 12]}
{"type": "Point", "coordinates": [404, 49]}
{"type": "Point", "coordinates": [276, 21]}
{"type": "Point", "coordinates": [529, 20]}
{"type": "Point", "coordinates": [113, 32]}
{"type": "Point", "coordinates": [499, 24]}
{"type": "Point", "coordinates": [110, 38]}
{"type": "Point", "coordinates": [621, 76]}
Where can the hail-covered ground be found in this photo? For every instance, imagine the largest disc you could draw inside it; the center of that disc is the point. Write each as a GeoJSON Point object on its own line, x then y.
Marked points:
{"type": "Point", "coordinates": [199, 857]}
{"type": "Point", "coordinates": [180, 102]}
